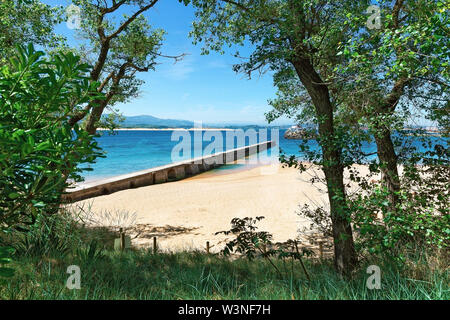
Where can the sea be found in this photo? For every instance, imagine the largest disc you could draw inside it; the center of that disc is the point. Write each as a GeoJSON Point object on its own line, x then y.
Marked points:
{"type": "Point", "coordinates": [127, 151]}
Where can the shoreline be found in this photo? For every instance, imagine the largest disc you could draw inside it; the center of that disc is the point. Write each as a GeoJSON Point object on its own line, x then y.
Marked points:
{"type": "Point", "coordinates": [223, 169]}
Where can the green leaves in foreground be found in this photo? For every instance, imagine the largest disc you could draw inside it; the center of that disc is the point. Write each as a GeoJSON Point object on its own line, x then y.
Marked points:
{"type": "Point", "coordinates": [5, 253]}
{"type": "Point", "coordinates": [40, 151]}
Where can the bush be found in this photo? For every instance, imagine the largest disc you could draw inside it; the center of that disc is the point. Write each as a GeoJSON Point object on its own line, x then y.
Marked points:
{"type": "Point", "coordinates": [420, 221]}
{"type": "Point", "coordinates": [5, 259]}
{"type": "Point", "coordinates": [57, 234]}
{"type": "Point", "coordinates": [40, 152]}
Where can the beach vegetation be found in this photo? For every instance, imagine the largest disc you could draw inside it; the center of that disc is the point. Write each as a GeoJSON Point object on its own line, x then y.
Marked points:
{"type": "Point", "coordinates": [41, 272]}
{"type": "Point", "coordinates": [40, 152]}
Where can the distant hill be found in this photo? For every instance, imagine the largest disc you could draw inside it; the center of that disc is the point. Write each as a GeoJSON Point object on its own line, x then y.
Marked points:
{"type": "Point", "coordinates": [153, 122]}
{"type": "Point", "coordinates": [146, 121]}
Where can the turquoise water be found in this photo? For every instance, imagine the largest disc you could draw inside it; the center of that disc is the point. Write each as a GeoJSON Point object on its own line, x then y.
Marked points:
{"type": "Point", "coordinates": [134, 150]}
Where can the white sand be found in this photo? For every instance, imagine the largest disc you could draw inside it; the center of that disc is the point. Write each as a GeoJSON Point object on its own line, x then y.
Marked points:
{"type": "Point", "coordinates": [185, 214]}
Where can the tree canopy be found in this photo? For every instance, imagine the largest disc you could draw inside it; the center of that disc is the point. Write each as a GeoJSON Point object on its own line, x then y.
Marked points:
{"type": "Point", "coordinates": [29, 21]}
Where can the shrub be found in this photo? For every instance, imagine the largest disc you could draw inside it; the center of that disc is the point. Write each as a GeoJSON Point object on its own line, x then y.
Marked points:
{"type": "Point", "coordinates": [40, 153]}
{"type": "Point", "coordinates": [5, 253]}
{"type": "Point", "coordinates": [57, 234]}
{"type": "Point", "coordinates": [420, 221]}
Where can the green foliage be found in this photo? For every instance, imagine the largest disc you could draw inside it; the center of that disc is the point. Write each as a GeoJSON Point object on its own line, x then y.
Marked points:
{"type": "Point", "coordinates": [247, 241]}
{"type": "Point", "coordinates": [254, 243]}
{"type": "Point", "coordinates": [406, 58]}
{"type": "Point", "coordinates": [421, 219]}
{"type": "Point", "coordinates": [29, 21]}
{"type": "Point", "coordinates": [92, 253]}
{"type": "Point", "coordinates": [40, 153]}
{"type": "Point", "coordinates": [55, 234]}
{"type": "Point", "coordinates": [5, 253]}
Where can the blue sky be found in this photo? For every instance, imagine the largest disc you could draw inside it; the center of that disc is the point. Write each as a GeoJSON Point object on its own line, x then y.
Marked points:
{"type": "Point", "coordinates": [200, 87]}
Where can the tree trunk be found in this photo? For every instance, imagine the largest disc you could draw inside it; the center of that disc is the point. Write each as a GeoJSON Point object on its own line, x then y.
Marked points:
{"type": "Point", "coordinates": [344, 251]}
{"type": "Point", "coordinates": [100, 105]}
{"type": "Point", "coordinates": [388, 160]}
{"type": "Point", "coordinates": [385, 147]}
{"type": "Point", "coordinates": [345, 259]}
{"type": "Point", "coordinates": [94, 117]}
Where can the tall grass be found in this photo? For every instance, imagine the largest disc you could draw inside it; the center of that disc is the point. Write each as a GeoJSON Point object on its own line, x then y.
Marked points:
{"type": "Point", "coordinates": [193, 275]}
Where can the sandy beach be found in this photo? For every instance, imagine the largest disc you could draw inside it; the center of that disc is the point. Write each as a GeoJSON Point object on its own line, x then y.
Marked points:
{"type": "Point", "coordinates": [186, 213]}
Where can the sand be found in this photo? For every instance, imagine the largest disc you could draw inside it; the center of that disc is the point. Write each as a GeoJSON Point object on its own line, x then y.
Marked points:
{"type": "Point", "coordinates": [186, 213]}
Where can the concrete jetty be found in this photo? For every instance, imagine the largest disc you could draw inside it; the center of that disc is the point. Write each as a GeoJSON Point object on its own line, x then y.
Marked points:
{"type": "Point", "coordinates": [167, 173]}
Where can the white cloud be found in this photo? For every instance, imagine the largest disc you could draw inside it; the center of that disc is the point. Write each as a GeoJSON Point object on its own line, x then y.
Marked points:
{"type": "Point", "coordinates": [252, 109]}
{"type": "Point", "coordinates": [185, 96]}
{"type": "Point", "coordinates": [179, 70]}
{"type": "Point", "coordinates": [218, 64]}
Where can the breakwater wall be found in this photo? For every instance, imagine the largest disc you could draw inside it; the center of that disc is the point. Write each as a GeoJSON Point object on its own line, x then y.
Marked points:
{"type": "Point", "coordinates": [171, 172]}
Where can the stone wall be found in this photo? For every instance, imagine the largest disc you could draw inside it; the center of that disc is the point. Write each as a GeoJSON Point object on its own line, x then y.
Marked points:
{"type": "Point", "coordinates": [167, 173]}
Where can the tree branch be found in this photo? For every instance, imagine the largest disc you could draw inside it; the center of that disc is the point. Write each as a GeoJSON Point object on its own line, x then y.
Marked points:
{"type": "Point", "coordinates": [115, 6]}
{"type": "Point", "coordinates": [131, 19]}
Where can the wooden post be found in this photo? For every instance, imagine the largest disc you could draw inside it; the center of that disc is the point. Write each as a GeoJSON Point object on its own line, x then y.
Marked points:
{"type": "Point", "coordinates": [321, 249]}
{"type": "Point", "coordinates": [122, 239]}
{"type": "Point", "coordinates": [207, 247]}
{"type": "Point", "coordinates": [155, 248]}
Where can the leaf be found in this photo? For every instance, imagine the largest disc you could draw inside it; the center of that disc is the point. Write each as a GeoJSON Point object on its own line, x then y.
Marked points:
{"type": "Point", "coordinates": [6, 272]}
{"type": "Point", "coordinates": [13, 195]}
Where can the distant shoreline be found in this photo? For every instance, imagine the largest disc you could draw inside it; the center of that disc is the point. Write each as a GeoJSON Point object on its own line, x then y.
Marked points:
{"type": "Point", "coordinates": [429, 132]}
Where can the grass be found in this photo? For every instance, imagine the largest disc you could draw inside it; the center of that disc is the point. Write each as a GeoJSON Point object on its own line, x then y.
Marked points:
{"type": "Point", "coordinates": [193, 275]}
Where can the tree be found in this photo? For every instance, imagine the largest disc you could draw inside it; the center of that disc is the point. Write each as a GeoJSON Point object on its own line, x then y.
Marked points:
{"type": "Point", "coordinates": [118, 51]}
{"type": "Point", "coordinates": [39, 150]}
{"type": "Point", "coordinates": [27, 21]}
{"type": "Point", "coordinates": [300, 37]}
{"type": "Point", "coordinates": [387, 71]}
{"type": "Point", "coordinates": [401, 66]}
